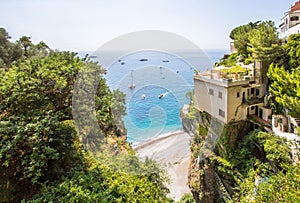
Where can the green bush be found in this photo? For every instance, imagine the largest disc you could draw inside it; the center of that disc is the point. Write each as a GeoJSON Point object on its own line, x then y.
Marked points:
{"type": "Point", "coordinates": [187, 198]}
{"type": "Point", "coordinates": [248, 61]}
{"type": "Point", "coordinates": [230, 61]}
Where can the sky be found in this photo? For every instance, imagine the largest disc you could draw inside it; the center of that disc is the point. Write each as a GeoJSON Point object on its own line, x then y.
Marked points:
{"type": "Point", "coordinates": [85, 25]}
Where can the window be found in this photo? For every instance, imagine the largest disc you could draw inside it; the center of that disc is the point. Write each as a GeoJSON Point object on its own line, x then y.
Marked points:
{"type": "Point", "coordinates": [294, 18]}
{"type": "Point", "coordinates": [292, 128]}
{"type": "Point", "coordinates": [257, 92]}
{"type": "Point", "coordinates": [252, 107]}
{"type": "Point", "coordinates": [211, 91]}
{"type": "Point", "coordinates": [238, 94]}
{"type": "Point", "coordinates": [220, 95]}
{"type": "Point", "coordinates": [252, 90]}
{"type": "Point", "coordinates": [221, 113]}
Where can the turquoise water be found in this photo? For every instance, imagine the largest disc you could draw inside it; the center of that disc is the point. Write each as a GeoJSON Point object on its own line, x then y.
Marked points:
{"type": "Point", "coordinates": [159, 73]}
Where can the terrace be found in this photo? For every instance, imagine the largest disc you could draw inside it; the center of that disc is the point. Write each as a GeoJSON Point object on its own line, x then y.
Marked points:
{"type": "Point", "coordinates": [228, 76]}
{"type": "Point", "coordinates": [280, 126]}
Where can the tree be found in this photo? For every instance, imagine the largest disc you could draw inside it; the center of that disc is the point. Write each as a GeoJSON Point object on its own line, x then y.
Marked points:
{"type": "Point", "coordinates": [119, 109]}
{"type": "Point", "coordinates": [36, 131]}
{"type": "Point", "coordinates": [241, 39]}
{"type": "Point", "coordinates": [26, 45]}
{"type": "Point", "coordinates": [241, 35]}
{"type": "Point", "coordinates": [264, 43]}
{"type": "Point", "coordinates": [287, 97]}
{"type": "Point", "coordinates": [258, 40]}
{"type": "Point", "coordinates": [41, 157]}
{"type": "Point", "coordinates": [187, 198]}
{"type": "Point", "coordinates": [32, 50]}
{"type": "Point", "coordinates": [281, 187]}
{"type": "Point", "coordinates": [9, 52]}
{"type": "Point", "coordinates": [242, 29]}
{"type": "Point", "coordinates": [292, 48]}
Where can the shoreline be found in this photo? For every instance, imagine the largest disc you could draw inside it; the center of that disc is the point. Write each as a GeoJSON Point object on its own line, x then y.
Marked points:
{"type": "Point", "coordinates": [172, 152]}
{"type": "Point", "coordinates": [140, 145]}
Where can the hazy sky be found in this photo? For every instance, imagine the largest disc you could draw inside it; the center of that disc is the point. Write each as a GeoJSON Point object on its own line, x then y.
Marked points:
{"type": "Point", "coordinates": [85, 25]}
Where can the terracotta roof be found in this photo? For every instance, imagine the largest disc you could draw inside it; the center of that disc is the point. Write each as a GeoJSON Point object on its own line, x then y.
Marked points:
{"type": "Point", "coordinates": [296, 7]}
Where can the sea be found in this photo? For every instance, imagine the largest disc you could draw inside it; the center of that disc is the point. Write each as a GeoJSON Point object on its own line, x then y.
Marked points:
{"type": "Point", "coordinates": [157, 85]}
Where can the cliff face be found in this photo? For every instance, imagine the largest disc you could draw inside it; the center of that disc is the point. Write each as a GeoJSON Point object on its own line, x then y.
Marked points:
{"type": "Point", "coordinates": [211, 179]}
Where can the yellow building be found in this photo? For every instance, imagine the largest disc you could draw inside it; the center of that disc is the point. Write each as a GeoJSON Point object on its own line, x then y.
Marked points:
{"type": "Point", "coordinates": [233, 97]}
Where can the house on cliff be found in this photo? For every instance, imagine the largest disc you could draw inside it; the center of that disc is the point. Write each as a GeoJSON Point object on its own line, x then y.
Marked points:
{"type": "Point", "coordinates": [286, 125]}
{"type": "Point", "coordinates": [290, 23]}
{"type": "Point", "coordinates": [237, 96]}
{"type": "Point", "coordinates": [234, 94]}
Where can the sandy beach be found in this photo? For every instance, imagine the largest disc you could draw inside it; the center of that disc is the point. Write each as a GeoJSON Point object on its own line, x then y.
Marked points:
{"type": "Point", "coordinates": [171, 151]}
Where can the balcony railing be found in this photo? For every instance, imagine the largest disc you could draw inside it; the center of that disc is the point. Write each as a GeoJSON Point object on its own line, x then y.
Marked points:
{"type": "Point", "coordinates": [253, 100]}
{"type": "Point", "coordinates": [258, 120]}
{"type": "Point", "coordinates": [287, 135]}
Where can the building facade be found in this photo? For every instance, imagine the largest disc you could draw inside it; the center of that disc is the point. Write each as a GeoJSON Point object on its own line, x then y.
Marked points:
{"type": "Point", "coordinates": [235, 97]}
{"type": "Point", "coordinates": [290, 23]}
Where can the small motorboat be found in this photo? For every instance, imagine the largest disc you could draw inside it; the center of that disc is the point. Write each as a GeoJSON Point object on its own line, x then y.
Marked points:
{"type": "Point", "coordinates": [122, 63]}
{"type": "Point", "coordinates": [165, 61]}
{"type": "Point", "coordinates": [143, 96]}
{"type": "Point", "coordinates": [143, 59]}
{"type": "Point", "coordinates": [162, 95]}
{"type": "Point", "coordinates": [131, 86]}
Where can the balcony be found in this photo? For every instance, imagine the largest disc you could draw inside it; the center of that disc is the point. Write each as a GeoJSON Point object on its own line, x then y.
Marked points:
{"type": "Point", "coordinates": [253, 100]}
{"type": "Point", "coordinates": [280, 128]}
{"type": "Point", "coordinates": [257, 120]}
{"type": "Point", "coordinates": [295, 29]}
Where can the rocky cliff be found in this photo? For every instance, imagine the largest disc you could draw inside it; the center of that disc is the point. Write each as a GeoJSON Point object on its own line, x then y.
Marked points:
{"type": "Point", "coordinates": [211, 178]}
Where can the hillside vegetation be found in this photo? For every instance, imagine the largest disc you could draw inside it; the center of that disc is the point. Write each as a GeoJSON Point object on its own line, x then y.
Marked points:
{"type": "Point", "coordinates": [251, 166]}
{"type": "Point", "coordinates": [42, 158]}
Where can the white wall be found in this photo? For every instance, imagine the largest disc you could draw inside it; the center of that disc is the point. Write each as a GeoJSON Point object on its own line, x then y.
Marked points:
{"type": "Point", "coordinates": [266, 113]}
{"type": "Point", "coordinates": [292, 30]}
{"type": "Point", "coordinates": [292, 23]}
{"type": "Point", "coordinates": [210, 103]}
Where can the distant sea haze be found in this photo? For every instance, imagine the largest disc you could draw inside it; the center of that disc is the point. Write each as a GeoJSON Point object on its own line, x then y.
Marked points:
{"type": "Point", "coordinates": [156, 85]}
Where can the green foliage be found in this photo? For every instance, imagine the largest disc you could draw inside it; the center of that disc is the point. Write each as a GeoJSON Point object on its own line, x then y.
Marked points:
{"type": "Point", "coordinates": [268, 156]}
{"type": "Point", "coordinates": [230, 61]}
{"type": "Point", "coordinates": [248, 61]}
{"type": "Point", "coordinates": [258, 153]}
{"type": "Point", "coordinates": [241, 35]}
{"type": "Point", "coordinates": [275, 148]}
{"type": "Point", "coordinates": [118, 109]}
{"type": "Point", "coordinates": [202, 130]}
{"type": "Point", "coordinates": [187, 198]}
{"type": "Point", "coordinates": [9, 52]}
{"type": "Point", "coordinates": [286, 97]}
{"type": "Point", "coordinates": [37, 138]}
{"type": "Point", "coordinates": [102, 184]}
{"type": "Point", "coordinates": [234, 34]}
{"type": "Point", "coordinates": [235, 70]}
{"type": "Point", "coordinates": [281, 187]}
{"type": "Point", "coordinates": [40, 151]}
{"type": "Point", "coordinates": [264, 43]}
{"type": "Point", "coordinates": [259, 40]}
{"type": "Point", "coordinates": [292, 48]}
